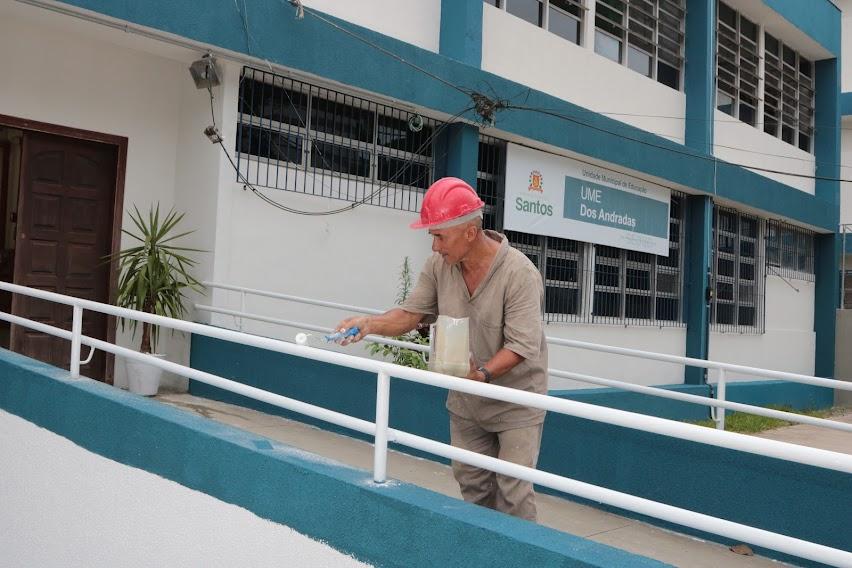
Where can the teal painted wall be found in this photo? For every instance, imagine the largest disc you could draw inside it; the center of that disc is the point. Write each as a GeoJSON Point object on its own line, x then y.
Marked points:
{"type": "Point", "coordinates": [818, 19]}
{"type": "Point", "coordinates": [827, 265]}
{"type": "Point", "coordinates": [698, 249]}
{"type": "Point", "coordinates": [700, 74]}
{"type": "Point", "coordinates": [394, 524]}
{"type": "Point", "coordinates": [313, 46]}
{"type": "Point", "coordinates": [756, 490]}
{"type": "Point", "coordinates": [461, 30]}
{"type": "Point", "coordinates": [460, 143]}
{"type": "Point", "coordinates": [846, 104]}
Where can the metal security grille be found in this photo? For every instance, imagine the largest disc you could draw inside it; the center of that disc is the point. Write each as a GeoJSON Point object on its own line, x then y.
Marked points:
{"type": "Point", "coordinates": [645, 35]}
{"type": "Point", "coordinates": [789, 251]}
{"type": "Point", "coordinates": [591, 283]}
{"type": "Point", "coordinates": [737, 61]}
{"type": "Point", "coordinates": [299, 137]}
{"type": "Point", "coordinates": [738, 284]}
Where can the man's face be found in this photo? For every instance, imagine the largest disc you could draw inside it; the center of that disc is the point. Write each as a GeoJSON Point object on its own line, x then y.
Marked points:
{"type": "Point", "coordinates": [452, 243]}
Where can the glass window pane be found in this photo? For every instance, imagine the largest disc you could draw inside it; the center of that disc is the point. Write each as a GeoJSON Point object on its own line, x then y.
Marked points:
{"type": "Point", "coordinates": [668, 75]}
{"type": "Point", "coordinates": [725, 103]}
{"type": "Point", "coordinates": [340, 159]}
{"type": "Point", "coordinates": [529, 10]}
{"type": "Point", "coordinates": [639, 61]}
{"type": "Point", "coordinates": [607, 46]}
{"type": "Point", "coordinates": [564, 25]}
{"type": "Point", "coordinates": [558, 300]}
{"type": "Point", "coordinates": [268, 144]}
{"type": "Point", "coordinates": [607, 304]}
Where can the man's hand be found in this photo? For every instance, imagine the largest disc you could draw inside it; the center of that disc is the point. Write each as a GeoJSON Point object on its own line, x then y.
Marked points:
{"type": "Point", "coordinates": [361, 322]}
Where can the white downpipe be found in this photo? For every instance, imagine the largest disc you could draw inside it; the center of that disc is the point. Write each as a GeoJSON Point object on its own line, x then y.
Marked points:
{"type": "Point", "coordinates": [76, 332]}
{"type": "Point", "coordinates": [380, 447]}
{"type": "Point", "coordinates": [242, 309]}
{"type": "Point", "coordinates": [720, 396]}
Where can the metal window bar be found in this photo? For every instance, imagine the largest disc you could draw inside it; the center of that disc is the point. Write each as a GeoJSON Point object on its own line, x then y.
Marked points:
{"type": "Point", "coordinates": [738, 302]}
{"type": "Point", "coordinates": [591, 283]}
{"type": "Point", "coordinates": [790, 251]}
{"type": "Point", "coordinates": [650, 35]}
{"type": "Point", "coordinates": [295, 136]}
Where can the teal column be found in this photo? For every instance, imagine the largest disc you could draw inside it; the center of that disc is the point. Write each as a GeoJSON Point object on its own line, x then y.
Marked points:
{"type": "Point", "coordinates": [461, 31]}
{"type": "Point", "coordinates": [458, 152]}
{"type": "Point", "coordinates": [699, 76]}
{"type": "Point", "coordinates": [827, 262]}
{"type": "Point", "coordinates": [699, 245]}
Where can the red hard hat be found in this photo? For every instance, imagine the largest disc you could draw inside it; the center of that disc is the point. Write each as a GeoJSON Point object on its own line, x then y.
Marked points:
{"type": "Point", "coordinates": [447, 199]}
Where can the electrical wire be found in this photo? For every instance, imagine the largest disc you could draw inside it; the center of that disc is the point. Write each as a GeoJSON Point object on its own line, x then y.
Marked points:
{"type": "Point", "coordinates": [672, 150]}
{"type": "Point", "coordinates": [380, 187]}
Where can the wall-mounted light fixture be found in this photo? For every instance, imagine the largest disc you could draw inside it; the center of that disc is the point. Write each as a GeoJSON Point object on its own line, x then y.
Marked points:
{"type": "Point", "coordinates": [204, 72]}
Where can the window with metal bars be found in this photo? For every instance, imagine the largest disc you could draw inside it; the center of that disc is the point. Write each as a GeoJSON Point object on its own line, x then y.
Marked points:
{"type": "Point", "coordinates": [790, 251]}
{"type": "Point", "coordinates": [738, 299]}
{"type": "Point", "coordinates": [300, 137]}
{"type": "Point", "coordinates": [788, 94]}
{"type": "Point", "coordinates": [561, 17]}
{"type": "Point", "coordinates": [584, 282]}
{"type": "Point", "coordinates": [645, 35]}
{"type": "Point", "coordinates": [737, 62]}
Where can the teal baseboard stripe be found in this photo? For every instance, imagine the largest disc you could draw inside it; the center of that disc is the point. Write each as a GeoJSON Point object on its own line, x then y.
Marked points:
{"type": "Point", "coordinates": [392, 524]}
{"type": "Point", "coordinates": [736, 486]}
{"type": "Point", "coordinates": [316, 47]}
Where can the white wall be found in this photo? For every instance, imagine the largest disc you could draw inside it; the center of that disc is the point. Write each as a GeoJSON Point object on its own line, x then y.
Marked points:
{"type": "Point", "coordinates": [740, 143]}
{"type": "Point", "coordinates": [846, 170]}
{"type": "Point", "coordinates": [55, 71]}
{"type": "Point", "coordinates": [522, 52]}
{"type": "Point", "coordinates": [65, 506]}
{"type": "Point", "coordinates": [845, 45]}
{"type": "Point", "coordinates": [669, 340]}
{"type": "Point", "coordinates": [789, 342]}
{"type": "Point", "coordinates": [415, 21]}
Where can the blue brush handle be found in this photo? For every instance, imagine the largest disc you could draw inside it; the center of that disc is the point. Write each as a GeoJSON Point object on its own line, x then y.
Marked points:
{"type": "Point", "coordinates": [340, 335]}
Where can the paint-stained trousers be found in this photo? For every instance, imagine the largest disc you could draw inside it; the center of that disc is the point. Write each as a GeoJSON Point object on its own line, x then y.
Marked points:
{"type": "Point", "coordinates": [489, 489]}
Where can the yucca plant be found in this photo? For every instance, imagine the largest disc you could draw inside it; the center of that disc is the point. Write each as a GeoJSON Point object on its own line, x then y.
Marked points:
{"type": "Point", "coordinates": [154, 275]}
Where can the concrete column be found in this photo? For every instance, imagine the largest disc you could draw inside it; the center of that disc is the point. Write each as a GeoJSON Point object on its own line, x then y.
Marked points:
{"type": "Point", "coordinates": [458, 152]}
{"type": "Point", "coordinates": [699, 241]}
{"type": "Point", "coordinates": [827, 154]}
{"type": "Point", "coordinates": [699, 77]}
{"type": "Point", "coordinates": [461, 31]}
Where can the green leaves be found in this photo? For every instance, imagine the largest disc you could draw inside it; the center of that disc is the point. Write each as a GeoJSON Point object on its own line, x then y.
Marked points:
{"type": "Point", "coordinates": [401, 355]}
{"type": "Point", "coordinates": [154, 275]}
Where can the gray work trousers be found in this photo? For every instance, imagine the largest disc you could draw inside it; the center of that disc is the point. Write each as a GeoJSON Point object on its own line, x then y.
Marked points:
{"type": "Point", "coordinates": [489, 489]}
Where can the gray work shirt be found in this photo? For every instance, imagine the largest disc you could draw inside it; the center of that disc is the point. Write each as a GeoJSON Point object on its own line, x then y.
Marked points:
{"type": "Point", "coordinates": [504, 312]}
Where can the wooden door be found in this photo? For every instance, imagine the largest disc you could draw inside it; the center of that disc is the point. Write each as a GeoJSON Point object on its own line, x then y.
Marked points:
{"type": "Point", "coordinates": [64, 231]}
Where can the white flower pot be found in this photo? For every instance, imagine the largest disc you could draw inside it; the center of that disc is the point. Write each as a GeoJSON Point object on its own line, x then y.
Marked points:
{"type": "Point", "coordinates": [143, 378]}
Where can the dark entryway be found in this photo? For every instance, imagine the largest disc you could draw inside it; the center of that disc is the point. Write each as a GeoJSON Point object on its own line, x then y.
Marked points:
{"type": "Point", "coordinates": [62, 223]}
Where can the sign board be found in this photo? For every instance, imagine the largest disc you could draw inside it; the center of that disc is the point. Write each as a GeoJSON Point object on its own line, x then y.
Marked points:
{"type": "Point", "coordinates": [561, 197]}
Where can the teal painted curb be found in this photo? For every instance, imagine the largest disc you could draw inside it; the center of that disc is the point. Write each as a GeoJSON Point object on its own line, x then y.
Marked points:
{"type": "Point", "coordinates": [315, 47]}
{"type": "Point", "coordinates": [392, 524]}
{"type": "Point", "coordinates": [736, 486]}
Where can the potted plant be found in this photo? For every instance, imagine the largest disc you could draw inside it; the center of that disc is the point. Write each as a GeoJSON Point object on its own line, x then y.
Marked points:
{"type": "Point", "coordinates": [153, 276]}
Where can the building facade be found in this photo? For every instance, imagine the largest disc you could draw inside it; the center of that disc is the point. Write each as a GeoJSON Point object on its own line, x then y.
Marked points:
{"type": "Point", "coordinates": [704, 136]}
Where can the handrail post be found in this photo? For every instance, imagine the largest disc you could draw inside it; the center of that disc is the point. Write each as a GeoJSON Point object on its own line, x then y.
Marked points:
{"type": "Point", "coordinates": [76, 333]}
{"type": "Point", "coordinates": [380, 447]}
{"type": "Point", "coordinates": [720, 395]}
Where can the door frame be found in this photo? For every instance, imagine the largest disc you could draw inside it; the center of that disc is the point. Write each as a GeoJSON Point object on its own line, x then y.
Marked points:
{"type": "Point", "coordinates": [120, 142]}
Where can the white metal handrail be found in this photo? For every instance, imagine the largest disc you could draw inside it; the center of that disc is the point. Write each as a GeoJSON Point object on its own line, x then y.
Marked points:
{"type": "Point", "coordinates": [718, 403]}
{"type": "Point", "coordinates": [383, 434]}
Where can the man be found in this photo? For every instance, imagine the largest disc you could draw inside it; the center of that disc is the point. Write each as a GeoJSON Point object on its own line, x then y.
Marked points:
{"type": "Point", "coordinates": [476, 274]}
